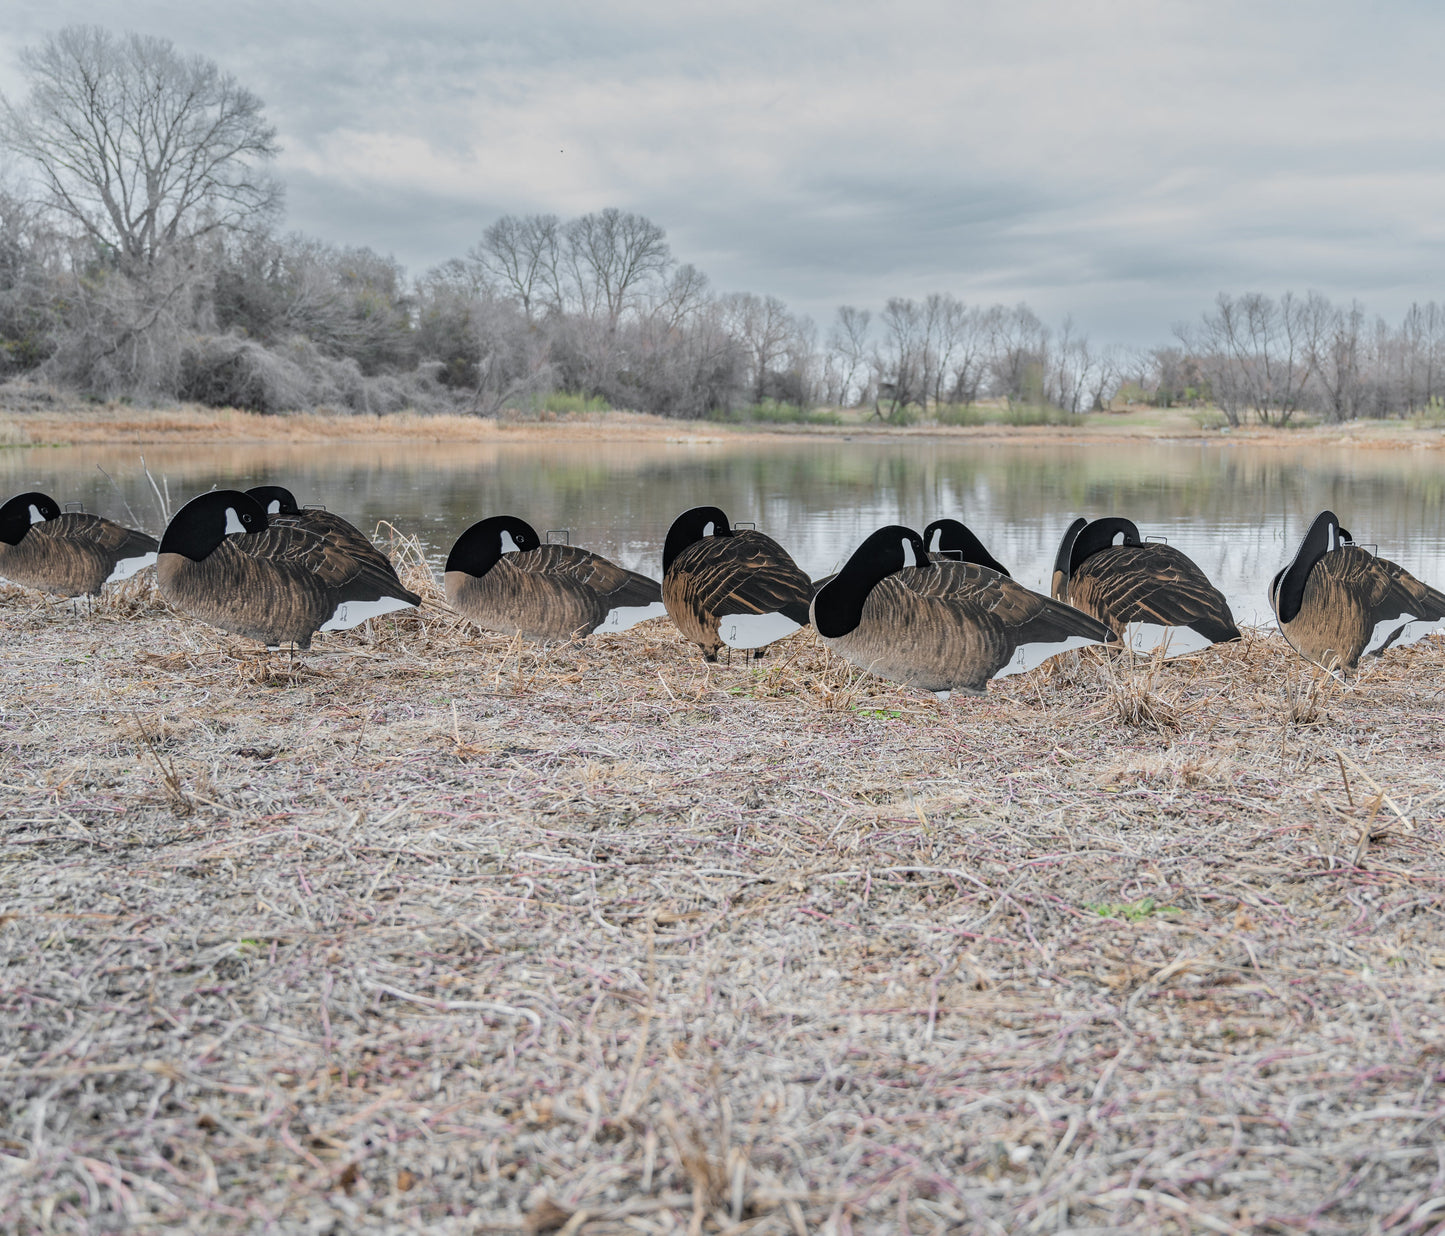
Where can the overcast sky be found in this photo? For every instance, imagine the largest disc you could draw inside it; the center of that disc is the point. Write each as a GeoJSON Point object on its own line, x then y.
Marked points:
{"type": "Point", "coordinates": [1118, 161]}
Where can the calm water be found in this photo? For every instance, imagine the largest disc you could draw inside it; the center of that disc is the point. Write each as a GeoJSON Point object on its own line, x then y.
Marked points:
{"type": "Point", "coordinates": [1237, 510]}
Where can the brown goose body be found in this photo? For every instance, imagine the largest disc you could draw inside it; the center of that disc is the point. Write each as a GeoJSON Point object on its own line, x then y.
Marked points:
{"type": "Point", "coordinates": [1337, 602]}
{"type": "Point", "coordinates": [944, 626]}
{"type": "Point", "coordinates": [278, 584]}
{"type": "Point", "coordinates": [553, 592]}
{"type": "Point", "coordinates": [1149, 594]}
{"type": "Point", "coordinates": [738, 588]}
{"type": "Point", "coordinates": [74, 554]}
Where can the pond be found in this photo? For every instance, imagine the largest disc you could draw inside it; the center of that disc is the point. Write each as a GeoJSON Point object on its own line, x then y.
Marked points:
{"type": "Point", "coordinates": [1238, 509]}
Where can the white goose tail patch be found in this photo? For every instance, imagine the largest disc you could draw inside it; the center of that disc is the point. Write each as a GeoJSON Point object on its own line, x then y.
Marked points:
{"type": "Point", "coordinates": [754, 630]}
{"type": "Point", "coordinates": [1147, 637]}
{"type": "Point", "coordinates": [353, 613]}
{"type": "Point", "coordinates": [126, 567]}
{"type": "Point", "coordinates": [1031, 656]}
{"type": "Point", "coordinates": [625, 616]}
{"type": "Point", "coordinates": [1398, 631]}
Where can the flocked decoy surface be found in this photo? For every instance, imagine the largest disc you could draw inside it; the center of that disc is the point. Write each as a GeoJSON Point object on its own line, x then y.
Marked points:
{"type": "Point", "coordinates": [727, 587]}
{"type": "Point", "coordinates": [1149, 594]}
{"type": "Point", "coordinates": [501, 576]}
{"type": "Point", "coordinates": [281, 508]}
{"type": "Point", "coordinates": [1337, 602]}
{"type": "Point", "coordinates": [68, 553]}
{"type": "Point", "coordinates": [950, 538]}
{"type": "Point", "coordinates": [222, 561]}
{"type": "Point", "coordinates": [940, 624]}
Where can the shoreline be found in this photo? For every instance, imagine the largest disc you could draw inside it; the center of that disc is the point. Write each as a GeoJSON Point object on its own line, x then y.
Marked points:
{"type": "Point", "coordinates": [38, 421]}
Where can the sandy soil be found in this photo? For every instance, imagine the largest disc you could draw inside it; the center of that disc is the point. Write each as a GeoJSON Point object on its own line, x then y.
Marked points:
{"type": "Point", "coordinates": [34, 415]}
{"type": "Point", "coordinates": [434, 933]}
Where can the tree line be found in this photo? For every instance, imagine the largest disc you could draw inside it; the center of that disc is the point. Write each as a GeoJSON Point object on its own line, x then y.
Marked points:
{"type": "Point", "coordinates": [141, 255]}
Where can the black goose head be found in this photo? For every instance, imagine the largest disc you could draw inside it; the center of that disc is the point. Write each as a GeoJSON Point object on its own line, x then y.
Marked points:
{"type": "Point", "coordinates": [1287, 590]}
{"type": "Point", "coordinates": [481, 546]}
{"type": "Point", "coordinates": [204, 522]}
{"type": "Point", "coordinates": [21, 511]}
{"type": "Point", "coordinates": [951, 537]}
{"type": "Point", "coordinates": [275, 499]}
{"type": "Point", "coordinates": [1100, 535]}
{"type": "Point", "coordinates": [692, 526]}
{"type": "Point", "coordinates": [838, 607]}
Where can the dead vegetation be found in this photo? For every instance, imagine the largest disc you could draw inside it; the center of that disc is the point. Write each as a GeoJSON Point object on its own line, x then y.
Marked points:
{"type": "Point", "coordinates": [432, 931]}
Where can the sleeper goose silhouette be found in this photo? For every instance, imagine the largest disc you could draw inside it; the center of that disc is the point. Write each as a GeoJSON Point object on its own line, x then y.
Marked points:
{"type": "Point", "coordinates": [221, 561]}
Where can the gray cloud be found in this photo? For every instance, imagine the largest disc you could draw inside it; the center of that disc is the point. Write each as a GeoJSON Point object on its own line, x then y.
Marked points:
{"type": "Point", "coordinates": [1120, 160]}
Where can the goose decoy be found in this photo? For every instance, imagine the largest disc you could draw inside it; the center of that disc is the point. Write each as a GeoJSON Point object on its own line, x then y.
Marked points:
{"type": "Point", "coordinates": [948, 538]}
{"type": "Point", "coordinates": [939, 624]}
{"type": "Point", "coordinates": [501, 576]}
{"type": "Point", "coordinates": [730, 587]}
{"type": "Point", "coordinates": [280, 507]}
{"type": "Point", "coordinates": [1148, 593]}
{"type": "Point", "coordinates": [1337, 602]}
{"type": "Point", "coordinates": [221, 561]}
{"type": "Point", "coordinates": [67, 553]}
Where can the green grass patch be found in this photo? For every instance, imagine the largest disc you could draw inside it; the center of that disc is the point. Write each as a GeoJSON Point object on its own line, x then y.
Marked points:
{"type": "Point", "coordinates": [1003, 414]}
{"type": "Point", "coordinates": [1132, 911]}
{"type": "Point", "coordinates": [561, 402]}
{"type": "Point", "coordinates": [771, 412]}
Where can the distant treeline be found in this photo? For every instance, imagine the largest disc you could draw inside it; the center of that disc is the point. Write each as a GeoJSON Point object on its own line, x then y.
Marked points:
{"type": "Point", "coordinates": [141, 257]}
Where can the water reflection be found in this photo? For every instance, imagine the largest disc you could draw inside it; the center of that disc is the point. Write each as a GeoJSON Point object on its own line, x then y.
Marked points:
{"type": "Point", "coordinates": [1238, 510]}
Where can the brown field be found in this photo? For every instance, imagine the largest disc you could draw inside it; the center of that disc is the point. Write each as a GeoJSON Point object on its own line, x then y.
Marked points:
{"type": "Point", "coordinates": [40, 416]}
{"type": "Point", "coordinates": [434, 933]}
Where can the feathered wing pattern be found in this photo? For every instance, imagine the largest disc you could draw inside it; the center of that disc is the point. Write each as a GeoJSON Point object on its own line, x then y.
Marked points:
{"type": "Point", "coordinates": [281, 585]}
{"type": "Point", "coordinates": [736, 577]}
{"type": "Point", "coordinates": [337, 531]}
{"type": "Point", "coordinates": [952, 626]}
{"type": "Point", "coordinates": [1151, 585]}
{"type": "Point", "coordinates": [553, 592]}
{"type": "Point", "coordinates": [76, 553]}
{"type": "Point", "coordinates": [1356, 604]}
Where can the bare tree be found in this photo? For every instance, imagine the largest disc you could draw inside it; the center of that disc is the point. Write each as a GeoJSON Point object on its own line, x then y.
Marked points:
{"type": "Point", "coordinates": [682, 297]}
{"type": "Point", "coordinates": [900, 361]}
{"type": "Point", "coordinates": [138, 145]}
{"type": "Point", "coordinates": [1336, 360]}
{"type": "Point", "coordinates": [848, 347]}
{"type": "Point", "coordinates": [765, 328]}
{"type": "Point", "coordinates": [610, 256]}
{"type": "Point", "coordinates": [1018, 346]}
{"type": "Point", "coordinates": [523, 258]}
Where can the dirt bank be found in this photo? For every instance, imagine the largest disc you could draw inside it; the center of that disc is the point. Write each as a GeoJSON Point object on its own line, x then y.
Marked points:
{"type": "Point", "coordinates": [439, 934]}
{"type": "Point", "coordinates": [36, 416]}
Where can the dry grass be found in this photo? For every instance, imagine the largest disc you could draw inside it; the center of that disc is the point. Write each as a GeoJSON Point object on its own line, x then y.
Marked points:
{"type": "Point", "coordinates": [47, 415]}
{"type": "Point", "coordinates": [429, 931]}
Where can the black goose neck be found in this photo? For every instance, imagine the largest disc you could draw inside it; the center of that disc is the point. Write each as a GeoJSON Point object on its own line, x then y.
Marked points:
{"type": "Point", "coordinates": [692, 526]}
{"type": "Point", "coordinates": [956, 537]}
{"type": "Point", "coordinates": [838, 607]}
{"type": "Point", "coordinates": [266, 494]}
{"type": "Point", "coordinates": [1324, 535]}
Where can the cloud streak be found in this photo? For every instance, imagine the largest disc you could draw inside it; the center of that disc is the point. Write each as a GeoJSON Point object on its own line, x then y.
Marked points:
{"type": "Point", "coordinates": [1120, 161]}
